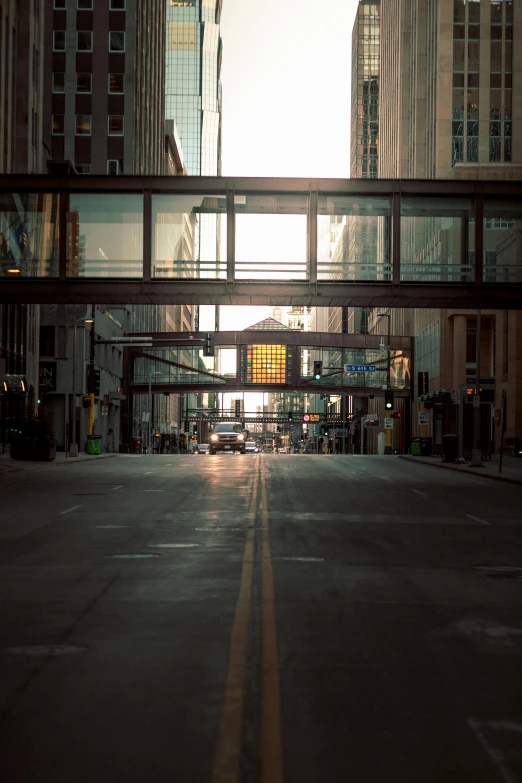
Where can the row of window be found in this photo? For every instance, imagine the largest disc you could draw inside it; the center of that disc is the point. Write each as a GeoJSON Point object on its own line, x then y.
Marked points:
{"type": "Point", "coordinates": [495, 80]}
{"type": "Point", "coordinates": [116, 83]}
{"type": "Point", "coordinates": [84, 125]}
{"type": "Point", "coordinates": [114, 167]}
{"type": "Point", "coordinates": [84, 41]}
{"type": "Point", "coordinates": [87, 5]}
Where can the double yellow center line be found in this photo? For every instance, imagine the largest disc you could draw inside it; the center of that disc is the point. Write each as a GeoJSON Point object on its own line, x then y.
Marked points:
{"type": "Point", "coordinates": [227, 761]}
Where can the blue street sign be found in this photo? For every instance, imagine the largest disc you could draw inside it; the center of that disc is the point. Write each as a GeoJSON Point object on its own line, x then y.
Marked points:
{"type": "Point", "coordinates": [360, 368]}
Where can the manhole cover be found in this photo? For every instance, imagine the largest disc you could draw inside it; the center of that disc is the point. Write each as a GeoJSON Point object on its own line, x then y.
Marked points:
{"type": "Point", "coordinates": [225, 529]}
{"type": "Point", "coordinates": [501, 572]}
{"type": "Point", "coordinates": [301, 559]}
{"type": "Point", "coordinates": [134, 555]}
{"type": "Point", "coordinates": [173, 546]}
{"type": "Point", "coordinates": [45, 649]}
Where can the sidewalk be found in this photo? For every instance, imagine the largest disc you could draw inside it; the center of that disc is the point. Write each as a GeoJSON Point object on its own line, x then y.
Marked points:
{"type": "Point", "coordinates": [8, 465]}
{"type": "Point", "coordinates": [511, 467]}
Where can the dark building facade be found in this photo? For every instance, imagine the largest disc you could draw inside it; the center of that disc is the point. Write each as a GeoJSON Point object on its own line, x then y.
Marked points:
{"type": "Point", "coordinates": [104, 71]}
{"type": "Point", "coordinates": [21, 151]}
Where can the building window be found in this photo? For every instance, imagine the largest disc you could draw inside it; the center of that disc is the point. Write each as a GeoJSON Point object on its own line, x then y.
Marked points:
{"type": "Point", "coordinates": [114, 167]}
{"type": "Point", "coordinates": [116, 82]}
{"type": "Point", "coordinates": [47, 340]}
{"type": "Point", "coordinates": [60, 5]}
{"type": "Point", "coordinates": [116, 42]}
{"type": "Point", "coordinates": [84, 41]}
{"type": "Point", "coordinates": [117, 5]}
{"type": "Point", "coordinates": [82, 168]}
{"type": "Point", "coordinates": [115, 125]}
{"type": "Point", "coordinates": [58, 82]}
{"type": "Point", "coordinates": [59, 41]}
{"type": "Point", "coordinates": [83, 124]}
{"type": "Point", "coordinates": [85, 5]}
{"type": "Point", "coordinates": [83, 82]}
{"type": "Point", "coordinates": [58, 124]}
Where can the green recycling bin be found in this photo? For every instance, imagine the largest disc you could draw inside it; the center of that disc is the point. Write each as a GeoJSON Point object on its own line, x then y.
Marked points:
{"type": "Point", "coordinates": [416, 447]}
{"type": "Point", "coordinates": [93, 444]}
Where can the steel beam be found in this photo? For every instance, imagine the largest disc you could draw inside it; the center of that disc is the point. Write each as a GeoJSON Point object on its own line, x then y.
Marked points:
{"type": "Point", "coordinates": [324, 294]}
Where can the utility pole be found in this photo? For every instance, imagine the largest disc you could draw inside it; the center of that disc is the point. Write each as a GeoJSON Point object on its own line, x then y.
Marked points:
{"type": "Point", "coordinates": [388, 447]}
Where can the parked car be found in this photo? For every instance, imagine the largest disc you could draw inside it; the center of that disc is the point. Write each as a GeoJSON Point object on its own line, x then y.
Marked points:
{"type": "Point", "coordinates": [227, 436]}
{"type": "Point", "coordinates": [202, 448]}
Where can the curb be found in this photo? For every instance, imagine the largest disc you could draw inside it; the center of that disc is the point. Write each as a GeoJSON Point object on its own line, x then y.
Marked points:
{"type": "Point", "coordinates": [17, 466]}
{"type": "Point", "coordinates": [449, 466]}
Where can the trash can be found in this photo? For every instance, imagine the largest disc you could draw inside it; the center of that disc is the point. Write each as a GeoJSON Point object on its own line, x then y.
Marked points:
{"type": "Point", "coordinates": [449, 448]}
{"type": "Point", "coordinates": [426, 447]}
{"type": "Point", "coordinates": [416, 447]}
{"type": "Point", "coordinates": [93, 444]}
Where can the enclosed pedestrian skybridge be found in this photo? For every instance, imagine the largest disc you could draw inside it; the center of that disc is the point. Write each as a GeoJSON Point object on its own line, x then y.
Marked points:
{"type": "Point", "coordinates": [274, 361]}
{"type": "Point", "coordinates": [245, 241]}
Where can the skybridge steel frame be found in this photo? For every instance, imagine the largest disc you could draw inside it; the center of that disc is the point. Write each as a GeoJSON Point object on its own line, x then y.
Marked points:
{"type": "Point", "coordinates": [309, 292]}
{"type": "Point", "coordinates": [259, 337]}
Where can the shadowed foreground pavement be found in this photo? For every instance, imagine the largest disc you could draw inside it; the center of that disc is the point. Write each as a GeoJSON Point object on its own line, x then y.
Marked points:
{"type": "Point", "coordinates": [259, 618]}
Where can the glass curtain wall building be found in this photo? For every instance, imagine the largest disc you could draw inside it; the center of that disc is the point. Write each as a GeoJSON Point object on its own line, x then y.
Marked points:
{"type": "Point", "coordinates": [193, 100]}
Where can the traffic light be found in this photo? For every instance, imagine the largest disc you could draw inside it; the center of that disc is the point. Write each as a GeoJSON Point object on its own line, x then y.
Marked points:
{"type": "Point", "coordinates": [238, 407]}
{"type": "Point", "coordinates": [396, 415]}
{"type": "Point", "coordinates": [195, 429]}
{"type": "Point", "coordinates": [290, 415]}
{"type": "Point", "coordinates": [388, 400]}
{"type": "Point", "coordinates": [86, 402]}
{"type": "Point", "coordinates": [318, 370]}
{"type": "Point", "coordinates": [208, 348]}
{"type": "Point", "coordinates": [93, 382]}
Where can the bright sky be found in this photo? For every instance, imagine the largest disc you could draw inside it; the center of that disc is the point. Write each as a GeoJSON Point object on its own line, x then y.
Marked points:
{"type": "Point", "coordinates": [286, 79]}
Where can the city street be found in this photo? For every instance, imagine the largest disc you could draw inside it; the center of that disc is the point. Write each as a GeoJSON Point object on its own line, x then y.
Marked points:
{"type": "Point", "coordinates": [259, 619]}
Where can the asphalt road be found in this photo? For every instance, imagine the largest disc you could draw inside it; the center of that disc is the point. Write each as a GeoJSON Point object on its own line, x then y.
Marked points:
{"type": "Point", "coordinates": [259, 619]}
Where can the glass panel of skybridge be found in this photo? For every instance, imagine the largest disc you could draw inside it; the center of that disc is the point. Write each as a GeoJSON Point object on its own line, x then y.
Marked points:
{"type": "Point", "coordinates": [105, 235]}
{"type": "Point", "coordinates": [353, 238]}
{"type": "Point", "coordinates": [271, 237]}
{"type": "Point", "coordinates": [437, 240]}
{"type": "Point", "coordinates": [29, 234]}
{"type": "Point", "coordinates": [189, 236]}
{"type": "Point", "coordinates": [502, 241]}
{"type": "Point", "coordinates": [333, 369]}
{"type": "Point", "coordinates": [184, 364]}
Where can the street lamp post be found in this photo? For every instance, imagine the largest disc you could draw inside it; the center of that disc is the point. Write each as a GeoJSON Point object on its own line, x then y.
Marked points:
{"type": "Point", "coordinates": [73, 448]}
{"type": "Point", "coordinates": [388, 448]}
{"type": "Point", "coordinates": [149, 436]}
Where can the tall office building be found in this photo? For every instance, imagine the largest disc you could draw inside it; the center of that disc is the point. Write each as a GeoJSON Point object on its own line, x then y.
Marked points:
{"type": "Point", "coordinates": [105, 114]}
{"type": "Point", "coordinates": [451, 107]}
{"type": "Point", "coordinates": [193, 100]}
{"type": "Point", "coordinates": [354, 238]}
{"type": "Point", "coordinates": [21, 151]}
{"type": "Point", "coordinates": [104, 76]}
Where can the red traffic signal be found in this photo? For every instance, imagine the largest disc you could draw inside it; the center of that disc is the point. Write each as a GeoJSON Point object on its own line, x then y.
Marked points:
{"type": "Point", "coordinates": [396, 415]}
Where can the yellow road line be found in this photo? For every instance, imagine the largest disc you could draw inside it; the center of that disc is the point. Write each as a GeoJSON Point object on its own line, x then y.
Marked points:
{"type": "Point", "coordinates": [227, 760]}
{"type": "Point", "coordinates": [270, 732]}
